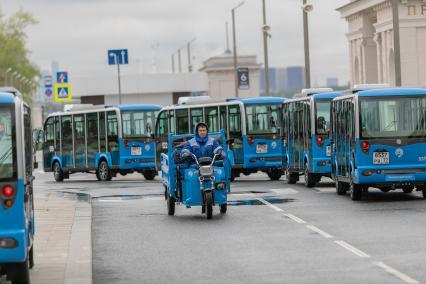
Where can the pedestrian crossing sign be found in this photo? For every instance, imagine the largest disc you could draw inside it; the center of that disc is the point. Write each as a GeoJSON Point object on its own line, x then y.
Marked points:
{"type": "Point", "coordinates": [63, 93]}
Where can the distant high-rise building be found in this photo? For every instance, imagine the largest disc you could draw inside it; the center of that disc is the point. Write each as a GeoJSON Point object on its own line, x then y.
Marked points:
{"type": "Point", "coordinates": [332, 82]}
{"type": "Point", "coordinates": [283, 80]}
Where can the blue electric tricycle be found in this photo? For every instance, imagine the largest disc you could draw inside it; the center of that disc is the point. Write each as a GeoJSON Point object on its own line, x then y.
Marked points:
{"type": "Point", "coordinates": [206, 185]}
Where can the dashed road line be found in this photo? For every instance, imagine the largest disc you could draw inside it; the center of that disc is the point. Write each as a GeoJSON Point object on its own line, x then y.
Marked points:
{"type": "Point", "coordinates": [269, 204]}
{"type": "Point", "coordinates": [396, 273]}
{"type": "Point", "coordinates": [319, 231]}
{"type": "Point", "coordinates": [352, 249]}
{"type": "Point", "coordinates": [295, 219]}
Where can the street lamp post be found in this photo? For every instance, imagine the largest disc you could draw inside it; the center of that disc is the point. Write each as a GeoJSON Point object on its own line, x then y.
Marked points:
{"type": "Point", "coordinates": [396, 42]}
{"type": "Point", "coordinates": [265, 29]}
{"type": "Point", "coordinates": [234, 39]}
{"type": "Point", "coordinates": [306, 9]}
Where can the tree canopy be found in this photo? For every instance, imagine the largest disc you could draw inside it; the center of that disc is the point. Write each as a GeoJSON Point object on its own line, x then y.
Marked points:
{"type": "Point", "coordinates": [14, 55]}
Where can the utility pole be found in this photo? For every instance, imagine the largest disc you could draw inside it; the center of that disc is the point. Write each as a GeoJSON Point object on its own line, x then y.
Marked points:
{"type": "Point", "coordinates": [306, 9]}
{"type": "Point", "coordinates": [396, 42]}
{"type": "Point", "coordinates": [265, 29]}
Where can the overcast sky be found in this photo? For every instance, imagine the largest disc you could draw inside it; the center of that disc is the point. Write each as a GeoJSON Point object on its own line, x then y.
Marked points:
{"type": "Point", "coordinates": [78, 33]}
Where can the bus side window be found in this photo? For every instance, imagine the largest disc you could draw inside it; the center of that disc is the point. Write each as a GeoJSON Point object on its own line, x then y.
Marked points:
{"type": "Point", "coordinates": [49, 132]}
{"type": "Point", "coordinates": [28, 137]}
{"type": "Point", "coordinates": [162, 125]}
{"type": "Point", "coordinates": [196, 117]}
{"type": "Point", "coordinates": [102, 134]}
{"type": "Point", "coordinates": [223, 120]}
{"type": "Point", "coordinates": [92, 131]}
{"type": "Point", "coordinates": [57, 134]}
{"type": "Point", "coordinates": [112, 131]}
{"type": "Point", "coordinates": [234, 115]}
{"type": "Point", "coordinates": [182, 121]}
{"type": "Point", "coordinates": [212, 118]}
{"type": "Point", "coordinates": [172, 121]}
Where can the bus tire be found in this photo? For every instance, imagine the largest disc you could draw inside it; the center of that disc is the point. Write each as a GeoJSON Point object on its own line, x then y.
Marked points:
{"type": "Point", "coordinates": [340, 187]}
{"type": "Point", "coordinates": [310, 179]}
{"type": "Point", "coordinates": [209, 204]}
{"type": "Point", "coordinates": [58, 174]}
{"type": "Point", "coordinates": [149, 175]}
{"type": "Point", "coordinates": [274, 174]}
{"type": "Point", "coordinates": [31, 258]}
{"type": "Point", "coordinates": [19, 273]}
{"type": "Point", "coordinates": [423, 189]}
{"type": "Point", "coordinates": [103, 172]}
{"type": "Point", "coordinates": [408, 189]}
{"type": "Point", "coordinates": [355, 191]}
{"type": "Point", "coordinates": [171, 204]}
{"type": "Point", "coordinates": [292, 178]}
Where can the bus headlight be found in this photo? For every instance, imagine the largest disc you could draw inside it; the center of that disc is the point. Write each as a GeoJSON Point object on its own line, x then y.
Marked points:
{"type": "Point", "coordinates": [8, 243]}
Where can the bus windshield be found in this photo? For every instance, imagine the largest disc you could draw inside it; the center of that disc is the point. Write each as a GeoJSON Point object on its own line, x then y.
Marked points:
{"type": "Point", "coordinates": [263, 119]}
{"type": "Point", "coordinates": [393, 117]}
{"type": "Point", "coordinates": [322, 117]}
{"type": "Point", "coordinates": [7, 159]}
{"type": "Point", "coordinates": [138, 123]}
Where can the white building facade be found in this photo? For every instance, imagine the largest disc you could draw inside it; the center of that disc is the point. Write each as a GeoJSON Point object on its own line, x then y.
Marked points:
{"type": "Point", "coordinates": [370, 38]}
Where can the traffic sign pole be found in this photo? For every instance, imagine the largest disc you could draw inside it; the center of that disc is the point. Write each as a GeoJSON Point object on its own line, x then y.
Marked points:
{"type": "Point", "coordinates": [119, 82]}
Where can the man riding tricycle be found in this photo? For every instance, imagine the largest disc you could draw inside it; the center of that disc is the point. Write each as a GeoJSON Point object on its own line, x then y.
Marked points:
{"type": "Point", "coordinates": [196, 171]}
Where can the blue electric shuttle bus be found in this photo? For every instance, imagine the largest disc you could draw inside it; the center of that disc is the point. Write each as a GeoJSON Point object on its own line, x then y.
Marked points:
{"type": "Point", "coordinates": [252, 127]}
{"type": "Point", "coordinates": [379, 140]}
{"type": "Point", "coordinates": [104, 140]}
{"type": "Point", "coordinates": [306, 126]}
{"type": "Point", "coordinates": [16, 187]}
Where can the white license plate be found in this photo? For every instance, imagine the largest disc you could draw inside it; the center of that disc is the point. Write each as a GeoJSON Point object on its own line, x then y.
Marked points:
{"type": "Point", "coordinates": [261, 148]}
{"type": "Point", "coordinates": [381, 158]}
{"type": "Point", "coordinates": [136, 151]}
{"type": "Point", "coordinates": [328, 151]}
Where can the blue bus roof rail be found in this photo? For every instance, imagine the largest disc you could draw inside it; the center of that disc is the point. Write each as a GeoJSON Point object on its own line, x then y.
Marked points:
{"type": "Point", "coordinates": [312, 91]}
{"type": "Point", "coordinates": [364, 87]}
{"type": "Point", "coordinates": [11, 90]}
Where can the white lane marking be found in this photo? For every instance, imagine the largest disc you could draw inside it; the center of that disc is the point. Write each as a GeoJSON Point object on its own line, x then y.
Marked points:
{"type": "Point", "coordinates": [352, 249]}
{"type": "Point", "coordinates": [295, 219]}
{"type": "Point", "coordinates": [394, 272]}
{"type": "Point", "coordinates": [319, 231]}
{"type": "Point", "coordinates": [270, 205]}
{"type": "Point", "coordinates": [284, 191]}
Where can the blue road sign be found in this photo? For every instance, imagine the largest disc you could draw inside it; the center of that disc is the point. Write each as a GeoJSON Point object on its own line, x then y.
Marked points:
{"type": "Point", "coordinates": [48, 81]}
{"type": "Point", "coordinates": [118, 56]}
{"type": "Point", "coordinates": [62, 77]}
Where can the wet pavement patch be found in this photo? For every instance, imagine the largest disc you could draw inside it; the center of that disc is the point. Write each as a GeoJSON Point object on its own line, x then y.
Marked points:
{"type": "Point", "coordinates": [250, 202]}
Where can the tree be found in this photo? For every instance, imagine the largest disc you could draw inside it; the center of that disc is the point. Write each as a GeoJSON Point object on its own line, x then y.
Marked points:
{"type": "Point", "coordinates": [14, 55]}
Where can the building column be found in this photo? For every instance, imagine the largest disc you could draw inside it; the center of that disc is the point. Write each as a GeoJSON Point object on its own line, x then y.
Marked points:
{"type": "Point", "coordinates": [378, 40]}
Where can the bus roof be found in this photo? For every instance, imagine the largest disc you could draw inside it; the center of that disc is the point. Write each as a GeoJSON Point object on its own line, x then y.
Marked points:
{"type": "Point", "coordinates": [259, 100]}
{"type": "Point", "coordinates": [139, 107]}
{"type": "Point", "coordinates": [330, 95]}
{"type": "Point", "coordinates": [7, 98]}
{"type": "Point", "coordinates": [392, 92]}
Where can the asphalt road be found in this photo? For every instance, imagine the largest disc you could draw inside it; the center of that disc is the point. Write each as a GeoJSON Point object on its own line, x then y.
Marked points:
{"type": "Point", "coordinates": [273, 233]}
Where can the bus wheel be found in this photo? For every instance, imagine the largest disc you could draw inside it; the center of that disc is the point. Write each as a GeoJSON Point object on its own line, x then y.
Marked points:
{"type": "Point", "coordinates": [292, 178]}
{"type": "Point", "coordinates": [149, 175]}
{"type": "Point", "coordinates": [19, 273]}
{"type": "Point", "coordinates": [171, 201]}
{"type": "Point", "coordinates": [340, 187]}
{"type": "Point", "coordinates": [310, 178]}
{"type": "Point", "coordinates": [356, 191]}
{"type": "Point", "coordinates": [408, 189]}
{"type": "Point", "coordinates": [423, 189]}
{"type": "Point", "coordinates": [274, 174]}
{"type": "Point", "coordinates": [58, 174]}
{"type": "Point", "coordinates": [103, 173]}
{"type": "Point", "coordinates": [31, 258]}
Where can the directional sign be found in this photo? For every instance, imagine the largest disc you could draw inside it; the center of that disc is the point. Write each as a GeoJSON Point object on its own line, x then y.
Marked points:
{"type": "Point", "coordinates": [118, 56]}
{"type": "Point", "coordinates": [243, 79]}
{"type": "Point", "coordinates": [62, 77]}
{"type": "Point", "coordinates": [48, 81]}
{"type": "Point", "coordinates": [63, 92]}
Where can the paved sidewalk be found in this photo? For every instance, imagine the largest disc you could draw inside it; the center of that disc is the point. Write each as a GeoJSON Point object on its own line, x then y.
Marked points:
{"type": "Point", "coordinates": [62, 246]}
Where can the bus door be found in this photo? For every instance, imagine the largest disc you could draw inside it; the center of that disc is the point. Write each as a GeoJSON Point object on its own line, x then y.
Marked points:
{"type": "Point", "coordinates": [162, 132]}
{"type": "Point", "coordinates": [92, 138]}
{"type": "Point", "coordinates": [235, 133]}
{"type": "Point", "coordinates": [80, 141]}
{"type": "Point", "coordinates": [298, 129]}
{"type": "Point", "coordinates": [67, 142]}
{"type": "Point", "coordinates": [112, 137]}
{"type": "Point", "coordinates": [28, 155]}
{"type": "Point", "coordinates": [49, 143]}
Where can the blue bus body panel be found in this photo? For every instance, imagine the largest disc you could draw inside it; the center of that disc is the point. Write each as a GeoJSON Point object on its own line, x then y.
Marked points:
{"type": "Point", "coordinates": [144, 161]}
{"type": "Point", "coordinates": [407, 163]}
{"type": "Point", "coordinates": [271, 159]}
{"type": "Point", "coordinates": [6, 98]}
{"type": "Point", "coordinates": [392, 92]}
{"type": "Point", "coordinates": [139, 107]}
{"type": "Point", "coordinates": [13, 225]}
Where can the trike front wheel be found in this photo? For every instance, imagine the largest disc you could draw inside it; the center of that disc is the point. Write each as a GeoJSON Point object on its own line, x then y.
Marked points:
{"type": "Point", "coordinates": [171, 202]}
{"type": "Point", "coordinates": [209, 204]}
